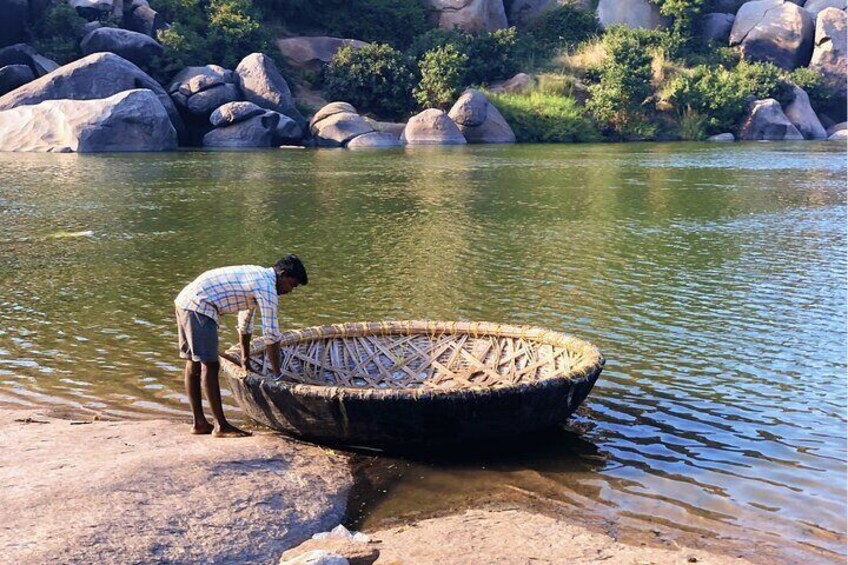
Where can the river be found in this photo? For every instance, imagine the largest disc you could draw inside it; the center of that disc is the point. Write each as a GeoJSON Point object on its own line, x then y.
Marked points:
{"type": "Point", "coordinates": [712, 277]}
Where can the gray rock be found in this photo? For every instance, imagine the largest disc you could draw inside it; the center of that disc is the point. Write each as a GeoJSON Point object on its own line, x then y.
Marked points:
{"type": "Point", "coordinates": [234, 112]}
{"type": "Point", "coordinates": [356, 552]}
{"type": "Point", "coordinates": [432, 127]}
{"type": "Point", "coordinates": [132, 46]}
{"type": "Point", "coordinates": [206, 101]}
{"type": "Point", "coordinates": [802, 116]}
{"type": "Point", "coordinates": [520, 12]}
{"type": "Point", "coordinates": [724, 6]}
{"type": "Point", "coordinates": [393, 128]}
{"type": "Point", "coordinates": [479, 121]}
{"type": "Point", "coordinates": [841, 126]}
{"type": "Point", "coordinates": [829, 56]}
{"type": "Point", "coordinates": [96, 76]}
{"type": "Point", "coordinates": [374, 139]}
{"type": "Point", "coordinates": [715, 27]}
{"type": "Point", "coordinates": [23, 54]}
{"type": "Point", "coordinates": [93, 9]}
{"type": "Point", "coordinates": [721, 137]}
{"type": "Point", "coordinates": [840, 135]}
{"type": "Point", "coordinates": [316, 557]}
{"type": "Point", "coordinates": [287, 132]}
{"type": "Point", "coordinates": [330, 109]}
{"type": "Point", "coordinates": [470, 15]}
{"type": "Point", "coordinates": [521, 82]}
{"type": "Point", "coordinates": [257, 131]}
{"type": "Point", "coordinates": [133, 120]}
{"type": "Point", "coordinates": [765, 120]}
{"type": "Point", "coordinates": [144, 19]}
{"type": "Point", "coordinates": [631, 13]}
{"type": "Point", "coordinates": [262, 84]}
{"type": "Point", "coordinates": [337, 128]}
{"type": "Point", "coordinates": [816, 6]}
{"type": "Point", "coordinates": [776, 31]}
{"type": "Point", "coordinates": [13, 22]}
{"type": "Point", "coordinates": [13, 76]}
{"type": "Point", "coordinates": [313, 53]}
{"type": "Point", "coordinates": [192, 80]}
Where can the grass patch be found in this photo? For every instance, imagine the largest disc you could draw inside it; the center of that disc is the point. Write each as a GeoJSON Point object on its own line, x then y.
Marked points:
{"type": "Point", "coordinates": [544, 118]}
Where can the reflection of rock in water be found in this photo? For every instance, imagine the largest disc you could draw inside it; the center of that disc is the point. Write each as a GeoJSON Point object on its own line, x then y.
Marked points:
{"type": "Point", "coordinates": [540, 471]}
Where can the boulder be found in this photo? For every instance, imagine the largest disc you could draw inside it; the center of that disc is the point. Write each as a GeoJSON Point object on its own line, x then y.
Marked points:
{"type": "Point", "coordinates": [23, 54]}
{"type": "Point", "coordinates": [393, 128]}
{"type": "Point", "coordinates": [721, 137]}
{"type": "Point", "coordinates": [479, 121]}
{"type": "Point", "coordinates": [840, 135]}
{"type": "Point", "coordinates": [205, 101]}
{"type": "Point", "coordinates": [631, 13]}
{"type": "Point", "coordinates": [313, 53]}
{"type": "Point", "coordinates": [841, 126]}
{"type": "Point", "coordinates": [829, 56]}
{"type": "Point", "coordinates": [13, 22]}
{"type": "Point", "coordinates": [802, 116]}
{"type": "Point", "coordinates": [765, 120]}
{"type": "Point", "coordinates": [262, 84]}
{"type": "Point", "coordinates": [257, 131]}
{"type": "Point", "coordinates": [234, 112]}
{"type": "Point", "coordinates": [715, 28]}
{"type": "Point", "coordinates": [724, 6]}
{"type": "Point", "coordinates": [776, 31]}
{"type": "Point", "coordinates": [432, 127]}
{"type": "Point", "coordinates": [316, 557]}
{"type": "Point", "coordinates": [132, 120]}
{"type": "Point", "coordinates": [93, 9]}
{"type": "Point", "coordinates": [471, 15]}
{"type": "Point", "coordinates": [521, 12]}
{"type": "Point", "coordinates": [287, 132]}
{"type": "Point", "coordinates": [375, 139]}
{"type": "Point", "coordinates": [336, 124]}
{"type": "Point", "coordinates": [99, 75]}
{"type": "Point", "coordinates": [13, 76]}
{"type": "Point", "coordinates": [816, 6]}
{"type": "Point", "coordinates": [144, 19]}
{"type": "Point", "coordinates": [131, 45]}
{"type": "Point", "coordinates": [519, 83]}
{"type": "Point", "coordinates": [355, 552]}
{"type": "Point", "coordinates": [199, 90]}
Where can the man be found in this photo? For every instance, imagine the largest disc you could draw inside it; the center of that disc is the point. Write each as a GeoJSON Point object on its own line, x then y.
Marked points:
{"type": "Point", "coordinates": [240, 289]}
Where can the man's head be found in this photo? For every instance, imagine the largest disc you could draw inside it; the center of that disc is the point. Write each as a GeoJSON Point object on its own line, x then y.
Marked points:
{"type": "Point", "coordinates": [290, 273]}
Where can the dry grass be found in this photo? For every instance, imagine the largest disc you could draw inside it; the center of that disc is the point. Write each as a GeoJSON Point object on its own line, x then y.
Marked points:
{"type": "Point", "coordinates": [589, 56]}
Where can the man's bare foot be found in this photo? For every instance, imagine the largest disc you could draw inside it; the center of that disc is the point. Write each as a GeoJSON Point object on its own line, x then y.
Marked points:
{"type": "Point", "coordinates": [202, 429]}
{"type": "Point", "coordinates": [230, 431]}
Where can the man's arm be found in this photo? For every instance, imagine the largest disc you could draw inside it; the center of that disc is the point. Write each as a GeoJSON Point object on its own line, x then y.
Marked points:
{"type": "Point", "coordinates": [244, 343]}
{"type": "Point", "coordinates": [272, 350]}
{"type": "Point", "coordinates": [245, 329]}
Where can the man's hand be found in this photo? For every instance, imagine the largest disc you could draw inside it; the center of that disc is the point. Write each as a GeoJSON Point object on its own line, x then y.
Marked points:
{"type": "Point", "coordinates": [247, 364]}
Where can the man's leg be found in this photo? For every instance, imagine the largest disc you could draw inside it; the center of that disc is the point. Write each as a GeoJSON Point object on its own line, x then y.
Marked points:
{"type": "Point", "coordinates": [192, 385]}
{"type": "Point", "coordinates": [223, 428]}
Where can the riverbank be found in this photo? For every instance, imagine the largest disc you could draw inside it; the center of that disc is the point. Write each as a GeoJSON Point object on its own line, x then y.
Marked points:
{"type": "Point", "coordinates": [82, 490]}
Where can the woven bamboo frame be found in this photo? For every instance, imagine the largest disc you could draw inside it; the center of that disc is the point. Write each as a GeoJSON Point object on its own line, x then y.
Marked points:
{"type": "Point", "coordinates": [427, 355]}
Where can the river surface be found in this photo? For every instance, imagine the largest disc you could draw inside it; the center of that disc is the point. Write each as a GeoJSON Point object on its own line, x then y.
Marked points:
{"type": "Point", "coordinates": [713, 279]}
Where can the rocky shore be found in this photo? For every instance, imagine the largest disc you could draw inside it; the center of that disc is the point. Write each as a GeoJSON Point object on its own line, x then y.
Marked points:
{"type": "Point", "coordinates": [86, 491]}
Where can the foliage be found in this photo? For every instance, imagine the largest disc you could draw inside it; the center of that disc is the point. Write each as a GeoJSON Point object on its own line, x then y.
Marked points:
{"type": "Point", "coordinates": [693, 125]}
{"type": "Point", "coordinates": [563, 27]}
{"type": "Point", "coordinates": [684, 14]}
{"type": "Point", "coordinates": [376, 78]}
{"type": "Point", "coordinates": [57, 32]}
{"type": "Point", "coordinates": [544, 118]}
{"type": "Point", "coordinates": [442, 72]}
{"type": "Point", "coordinates": [822, 96]}
{"type": "Point", "coordinates": [617, 101]}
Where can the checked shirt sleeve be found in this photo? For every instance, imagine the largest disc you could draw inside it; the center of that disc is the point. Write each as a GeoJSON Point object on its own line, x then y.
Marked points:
{"type": "Point", "coordinates": [267, 303]}
{"type": "Point", "coordinates": [245, 321]}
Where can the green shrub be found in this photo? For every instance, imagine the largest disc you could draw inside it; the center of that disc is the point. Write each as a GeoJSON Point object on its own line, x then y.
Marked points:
{"type": "Point", "coordinates": [544, 118]}
{"type": "Point", "coordinates": [442, 72]}
{"type": "Point", "coordinates": [684, 15]}
{"type": "Point", "coordinates": [57, 32]}
{"type": "Point", "coordinates": [822, 95]}
{"type": "Point", "coordinates": [563, 27]}
{"type": "Point", "coordinates": [693, 125]}
{"type": "Point", "coordinates": [375, 78]}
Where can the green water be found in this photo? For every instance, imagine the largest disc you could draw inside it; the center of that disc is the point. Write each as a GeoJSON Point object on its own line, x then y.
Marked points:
{"type": "Point", "coordinates": [712, 278]}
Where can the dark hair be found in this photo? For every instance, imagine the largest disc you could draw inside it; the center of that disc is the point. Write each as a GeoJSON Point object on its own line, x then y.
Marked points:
{"type": "Point", "coordinates": [291, 266]}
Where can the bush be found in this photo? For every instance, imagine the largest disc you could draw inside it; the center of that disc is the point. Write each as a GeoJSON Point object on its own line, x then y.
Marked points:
{"type": "Point", "coordinates": [544, 118]}
{"type": "Point", "coordinates": [57, 32]}
{"type": "Point", "coordinates": [684, 15]}
{"type": "Point", "coordinates": [375, 78]}
{"type": "Point", "coordinates": [822, 96]}
{"type": "Point", "coordinates": [442, 72]}
{"type": "Point", "coordinates": [693, 125]}
{"type": "Point", "coordinates": [563, 27]}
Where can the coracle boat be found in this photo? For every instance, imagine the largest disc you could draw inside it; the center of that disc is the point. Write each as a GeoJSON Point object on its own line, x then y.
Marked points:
{"type": "Point", "coordinates": [407, 383]}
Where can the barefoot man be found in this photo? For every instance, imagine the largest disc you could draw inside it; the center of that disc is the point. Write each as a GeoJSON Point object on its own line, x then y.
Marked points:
{"type": "Point", "coordinates": [240, 289]}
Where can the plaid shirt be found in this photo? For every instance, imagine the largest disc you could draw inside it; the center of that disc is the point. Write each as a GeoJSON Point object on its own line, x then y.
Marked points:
{"type": "Point", "coordinates": [236, 289]}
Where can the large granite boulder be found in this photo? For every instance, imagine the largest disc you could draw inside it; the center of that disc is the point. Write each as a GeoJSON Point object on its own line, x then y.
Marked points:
{"type": "Point", "coordinates": [715, 27]}
{"type": "Point", "coordinates": [14, 76]}
{"type": "Point", "coordinates": [723, 6]}
{"type": "Point", "coordinates": [801, 114]}
{"type": "Point", "coordinates": [521, 82]}
{"type": "Point", "coordinates": [432, 127]}
{"type": "Point", "coordinates": [521, 12]}
{"type": "Point", "coordinates": [313, 53]}
{"type": "Point", "coordinates": [631, 13]}
{"type": "Point", "coordinates": [131, 45]}
{"type": "Point", "coordinates": [262, 84]}
{"type": "Point", "coordinates": [841, 126]}
{"type": "Point", "coordinates": [258, 131]}
{"type": "Point", "coordinates": [336, 124]}
{"type": "Point", "coordinates": [199, 90]}
{"type": "Point", "coordinates": [23, 54]}
{"type": "Point", "coordinates": [470, 15]}
{"type": "Point", "coordinates": [132, 120]}
{"type": "Point", "coordinates": [765, 120]}
{"type": "Point", "coordinates": [99, 75]}
{"type": "Point", "coordinates": [287, 131]}
{"type": "Point", "coordinates": [829, 56]}
{"type": "Point", "coordinates": [479, 121]}
{"type": "Point", "coordinates": [374, 140]}
{"type": "Point", "coordinates": [13, 21]}
{"type": "Point", "coordinates": [144, 19]}
{"type": "Point", "coordinates": [777, 31]}
{"type": "Point", "coordinates": [816, 6]}
{"type": "Point", "coordinates": [95, 9]}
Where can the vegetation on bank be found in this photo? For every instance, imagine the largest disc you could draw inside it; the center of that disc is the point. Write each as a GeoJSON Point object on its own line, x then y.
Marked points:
{"type": "Point", "coordinates": [618, 84]}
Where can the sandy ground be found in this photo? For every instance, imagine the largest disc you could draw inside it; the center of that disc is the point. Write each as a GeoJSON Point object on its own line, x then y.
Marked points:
{"type": "Point", "coordinates": [148, 492]}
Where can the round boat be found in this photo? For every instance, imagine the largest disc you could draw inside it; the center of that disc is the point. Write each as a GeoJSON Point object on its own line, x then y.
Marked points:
{"type": "Point", "coordinates": [405, 383]}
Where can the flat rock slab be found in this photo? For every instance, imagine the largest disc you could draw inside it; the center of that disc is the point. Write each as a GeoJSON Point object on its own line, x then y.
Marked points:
{"type": "Point", "coordinates": [148, 491]}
